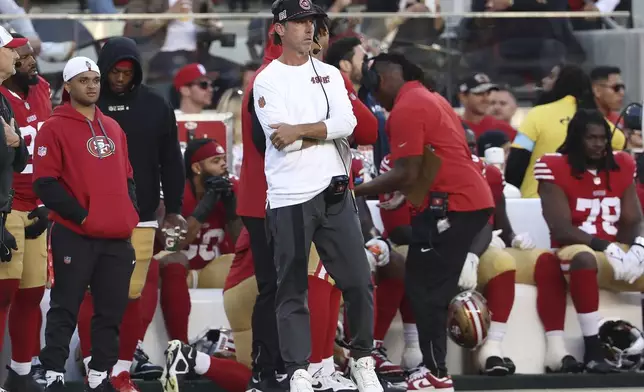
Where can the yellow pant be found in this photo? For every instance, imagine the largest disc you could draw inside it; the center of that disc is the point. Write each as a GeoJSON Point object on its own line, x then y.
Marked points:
{"type": "Point", "coordinates": [213, 275]}
{"type": "Point", "coordinates": [238, 303]}
{"type": "Point", "coordinates": [143, 243]}
{"type": "Point", "coordinates": [29, 262]}
{"type": "Point", "coordinates": [605, 274]}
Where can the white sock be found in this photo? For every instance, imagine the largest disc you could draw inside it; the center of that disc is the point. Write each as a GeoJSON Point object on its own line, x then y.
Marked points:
{"type": "Point", "coordinates": [95, 378]}
{"type": "Point", "coordinates": [555, 344]}
{"type": "Point", "coordinates": [589, 323]}
{"type": "Point", "coordinates": [315, 368]}
{"type": "Point", "coordinates": [411, 335]}
{"type": "Point", "coordinates": [52, 376]}
{"type": "Point", "coordinates": [491, 348]}
{"type": "Point", "coordinates": [35, 361]}
{"type": "Point", "coordinates": [497, 331]}
{"type": "Point", "coordinates": [22, 368]}
{"type": "Point", "coordinates": [202, 363]}
{"type": "Point", "coordinates": [86, 362]}
{"type": "Point", "coordinates": [328, 366]}
{"type": "Point", "coordinates": [120, 367]}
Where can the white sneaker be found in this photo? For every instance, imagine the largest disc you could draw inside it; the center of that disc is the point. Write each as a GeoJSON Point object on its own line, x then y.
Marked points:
{"type": "Point", "coordinates": [335, 383]}
{"type": "Point", "coordinates": [363, 374]}
{"type": "Point", "coordinates": [301, 381]}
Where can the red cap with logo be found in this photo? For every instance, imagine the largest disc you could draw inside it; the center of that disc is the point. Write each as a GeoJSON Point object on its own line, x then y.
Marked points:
{"type": "Point", "coordinates": [188, 74]}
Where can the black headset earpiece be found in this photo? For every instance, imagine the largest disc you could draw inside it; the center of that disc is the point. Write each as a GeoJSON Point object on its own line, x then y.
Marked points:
{"type": "Point", "coordinates": [370, 77]}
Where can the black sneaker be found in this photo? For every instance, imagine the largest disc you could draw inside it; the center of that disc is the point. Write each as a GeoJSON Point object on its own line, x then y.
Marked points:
{"type": "Point", "coordinates": [495, 366]}
{"type": "Point", "coordinates": [179, 361]}
{"type": "Point", "coordinates": [143, 369]}
{"type": "Point", "coordinates": [18, 383]}
{"type": "Point", "coordinates": [56, 386]}
{"type": "Point", "coordinates": [105, 386]}
{"type": "Point", "coordinates": [38, 374]}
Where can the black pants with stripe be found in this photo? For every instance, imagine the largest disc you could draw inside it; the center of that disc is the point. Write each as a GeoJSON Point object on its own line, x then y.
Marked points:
{"type": "Point", "coordinates": [433, 267]}
{"type": "Point", "coordinates": [335, 230]}
{"type": "Point", "coordinates": [105, 265]}
{"type": "Point", "coordinates": [266, 350]}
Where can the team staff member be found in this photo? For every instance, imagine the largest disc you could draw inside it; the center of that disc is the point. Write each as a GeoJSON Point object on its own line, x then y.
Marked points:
{"type": "Point", "coordinates": [28, 94]}
{"type": "Point", "coordinates": [305, 203]}
{"type": "Point", "coordinates": [90, 244]}
{"type": "Point", "coordinates": [437, 251]}
{"type": "Point", "coordinates": [151, 129]}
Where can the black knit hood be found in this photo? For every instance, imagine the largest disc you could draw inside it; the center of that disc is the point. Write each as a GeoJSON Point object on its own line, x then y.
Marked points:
{"type": "Point", "coordinates": [115, 50]}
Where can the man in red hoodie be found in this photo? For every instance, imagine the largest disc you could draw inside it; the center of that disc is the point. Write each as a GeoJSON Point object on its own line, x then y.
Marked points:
{"type": "Point", "coordinates": [89, 243]}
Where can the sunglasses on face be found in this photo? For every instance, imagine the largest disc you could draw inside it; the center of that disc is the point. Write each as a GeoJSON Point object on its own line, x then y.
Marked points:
{"type": "Point", "coordinates": [204, 84]}
{"type": "Point", "coordinates": [616, 87]}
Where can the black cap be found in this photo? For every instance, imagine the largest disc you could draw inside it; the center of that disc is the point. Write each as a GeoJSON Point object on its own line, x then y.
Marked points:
{"type": "Point", "coordinates": [477, 83]}
{"type": "Point", "coordinates": [285, 10]}
{"type": "Point", "coordinates": [491, 138]}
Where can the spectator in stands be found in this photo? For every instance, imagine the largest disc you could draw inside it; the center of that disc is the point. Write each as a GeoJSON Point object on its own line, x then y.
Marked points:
{"type": "Point", "coordinates": [474, 95]}
{"type": "Point", "coordinates": [347, 54]}
{"type": "Point", "coordinates": [503, 104]}
{"type": "Point", "coordinates": [544, 128]}
{"type": "Point", "coordinates": [194, 88]}
{"type": "Point", "coordinates": [609, 90]}
{"type": "Point", "coordinates": [590, 6]}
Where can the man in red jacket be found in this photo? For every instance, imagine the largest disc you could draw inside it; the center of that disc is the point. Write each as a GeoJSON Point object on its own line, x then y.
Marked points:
{"type": "Point", "coordinates": [90, 243]}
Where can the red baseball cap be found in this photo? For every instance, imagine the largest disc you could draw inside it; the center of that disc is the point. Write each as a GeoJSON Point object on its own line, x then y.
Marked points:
{"type": "Point", "coordinates": [7, 41]}
{"type": "Point", "coordinates": [188, 74]}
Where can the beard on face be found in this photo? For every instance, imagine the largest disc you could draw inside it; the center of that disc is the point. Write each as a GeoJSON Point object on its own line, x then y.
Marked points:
{"type": "Point", "coordinates": [24, 80]}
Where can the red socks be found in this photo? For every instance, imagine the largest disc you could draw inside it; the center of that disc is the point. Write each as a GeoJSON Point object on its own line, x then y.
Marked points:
{"type": "Point", "coordinates": [85, 315]}
{"type": "Point", "coordinates": [551, 292]}
{"type": "Point", "coordinates": [175, 301]}
{"type": "Point", "coordinates": [230, 375]}
{"type": "Point", "coordinates": [584, 290]}
{"type": "Point", "coordinates": [23, 323]}
{"type": "Point", "coordinates": [388, 296]}
{"type": "Point", "coordinates": [499, 293]}
{"type": "Point", "coordinates": [319, 296]}
{"type": "Point", "coordinates": [334, 315]}
{"type": "Point", "coordinates": [149, 297]}
{"type": "Point", "coordinates": [8, 288]}
{"type": "Point", "coordinates": [130, 330]}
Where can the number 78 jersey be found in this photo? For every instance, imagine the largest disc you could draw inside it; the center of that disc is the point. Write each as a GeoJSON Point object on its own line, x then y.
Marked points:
{"type": "Point", "coordinates": [594, 198]}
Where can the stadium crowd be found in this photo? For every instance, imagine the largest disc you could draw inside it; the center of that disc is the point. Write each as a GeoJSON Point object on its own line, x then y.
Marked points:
{"type": "Point", "coordinates": [186, 218]}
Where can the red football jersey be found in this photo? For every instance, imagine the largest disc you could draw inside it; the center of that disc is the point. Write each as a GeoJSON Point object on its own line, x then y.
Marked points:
{"type": "Point", "coordinates": [212, 240]}
{"type": "Point", "coordinates": [30, 114]}
{"type": "Point", "coordinates": [594, 206]}
{"type": "Point", "coordinates": [494, 179]}
{"type": "Point", "coordinates": [242, 267]}
{"type": "Point", "coordinates": [401, 216]}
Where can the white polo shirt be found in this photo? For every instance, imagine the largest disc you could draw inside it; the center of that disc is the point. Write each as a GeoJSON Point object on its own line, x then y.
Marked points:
{"type": "Point", "coordinates": [294, 95]}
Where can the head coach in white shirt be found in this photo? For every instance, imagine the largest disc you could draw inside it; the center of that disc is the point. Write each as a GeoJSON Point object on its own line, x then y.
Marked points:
{"type": "Point", "coordinates": [305, 112]}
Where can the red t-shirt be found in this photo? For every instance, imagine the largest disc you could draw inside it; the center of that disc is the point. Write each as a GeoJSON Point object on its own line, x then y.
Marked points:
{"type": "Point", "coordinates": [422, 118]}
{"type": "Point", "coordinates": [594, 206]}
{"type": "Point", "coordinates": [242, 267]}
{"type": "Point", "coordinates": [489, 123]}
{"type": "Point", "coordinates": [212, 240]}
{"type": "Point", "coordinates": [30, 114]}
{"type": "Point", "coordinates": [366, 130]}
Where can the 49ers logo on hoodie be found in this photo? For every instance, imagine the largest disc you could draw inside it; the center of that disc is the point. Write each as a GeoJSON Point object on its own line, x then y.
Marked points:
{"type": "Point", "coordinates": [100, 146]}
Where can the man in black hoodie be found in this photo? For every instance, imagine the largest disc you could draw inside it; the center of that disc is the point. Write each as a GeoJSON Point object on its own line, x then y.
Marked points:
{"type": "Point", "coordinates": [151, 129]}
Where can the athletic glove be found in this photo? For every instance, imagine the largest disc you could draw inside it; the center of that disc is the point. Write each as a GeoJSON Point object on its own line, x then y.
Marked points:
{"type": "Point", "coordinates": [7, 246]}
{"type": "Point", "coordinates": [39, 226]}
{"type": "Point", "coordinates": [379, 248]}
{"type": "Point", "coordinates": [523, 241]}
{"type": "Point", "coordinates": [469, 276]}
{"type": "Point", "coordinates": [497, 242]}
{"type": "Point", "coordinates": [634, 260]}
{"type": "Point", "coordinates": [219, 184]}
{"type": "Point", "coordinates": [615, 256]}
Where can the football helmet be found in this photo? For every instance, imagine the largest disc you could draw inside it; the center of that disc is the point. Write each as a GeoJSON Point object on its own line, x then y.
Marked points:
{"type": "Point", "coordinates": [215, 342]}
{"type": "Point", "coordinates": [468, 319]}
{"type": "Point", "coordinates": [623, 344]}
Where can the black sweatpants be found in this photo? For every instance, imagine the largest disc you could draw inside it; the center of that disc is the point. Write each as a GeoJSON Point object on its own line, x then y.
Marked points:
{"type": "Point", "coordinates": [266, 350]}
{"type": "Point", "coordinates": [433, 267]}
{"type": "Point", "coordinates": [105, 265]}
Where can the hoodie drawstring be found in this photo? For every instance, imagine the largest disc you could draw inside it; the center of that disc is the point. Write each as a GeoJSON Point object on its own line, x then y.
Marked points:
{"type": "Point", "coordinates": [94, 140]}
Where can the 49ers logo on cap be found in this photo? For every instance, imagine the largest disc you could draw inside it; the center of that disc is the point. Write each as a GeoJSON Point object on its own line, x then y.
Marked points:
{"type": "Point", "coordinates": [100, 146]}
{"type": "Point", "coordinates": [305, 5]}
{"type": "Point", "coordinates": [88, 65]}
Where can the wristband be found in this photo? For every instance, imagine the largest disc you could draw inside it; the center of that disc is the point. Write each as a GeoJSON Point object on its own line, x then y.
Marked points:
{"type": "Point", "coordinates": [598, 244]}
{"type": "Point", "coordinates": [205, 206]}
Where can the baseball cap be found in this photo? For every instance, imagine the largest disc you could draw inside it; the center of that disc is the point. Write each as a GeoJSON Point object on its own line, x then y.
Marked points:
{"type": "Point", "coordinates": [188, 74]}
{"type": "Point", "coordinates": [78, 65]}
{"type": "Point", "coordinates": [285, 10]}
{"type": "Point", "coordinates": [7, 41]}
{"type": "Point", "coordinates": [477, 83]}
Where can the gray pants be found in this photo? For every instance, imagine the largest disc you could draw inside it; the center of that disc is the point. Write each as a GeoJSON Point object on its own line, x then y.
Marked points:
{"type": "Point", "coordinates": [335, 230]}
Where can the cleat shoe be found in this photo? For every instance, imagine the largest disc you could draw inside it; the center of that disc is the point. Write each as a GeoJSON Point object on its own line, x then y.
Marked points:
{"type": "Point", "coordinates": [495, 366]}
{"type": "Point", "coordinates": [142, 368]}
{"type": "Point", "coordinates": [179, 360]}
{"type": "Point", "coordinates": [18, 383]}
{"type": "Point", "coordinates": [385, 368]}
{"type": "Point", "coordinates": [56, 386]}
{"type": "Point", "coordinates": [105, 386]}
{"type": "Point", "coordinates": [38, 374]}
